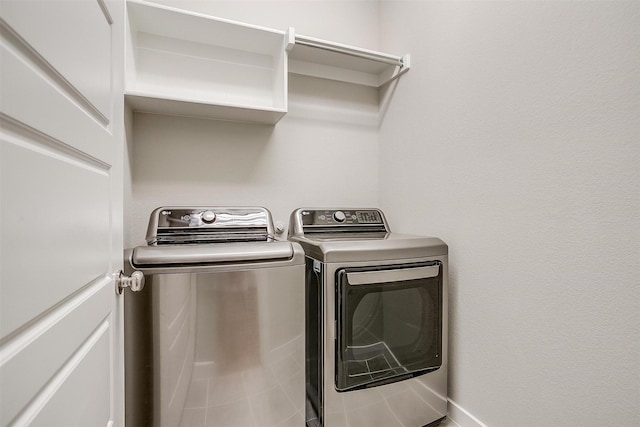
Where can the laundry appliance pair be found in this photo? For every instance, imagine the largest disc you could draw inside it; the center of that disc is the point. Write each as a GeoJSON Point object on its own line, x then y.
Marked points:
{"type": "Point", "coordinates": [342, 325]}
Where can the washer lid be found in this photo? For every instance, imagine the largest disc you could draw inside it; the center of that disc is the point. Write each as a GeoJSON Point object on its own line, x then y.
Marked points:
{"type": "Point", "coordinates": [212, 254]}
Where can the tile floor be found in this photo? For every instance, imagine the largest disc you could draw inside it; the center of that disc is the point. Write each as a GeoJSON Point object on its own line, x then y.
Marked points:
{"type": "Point", "coordinates": [259, 398]}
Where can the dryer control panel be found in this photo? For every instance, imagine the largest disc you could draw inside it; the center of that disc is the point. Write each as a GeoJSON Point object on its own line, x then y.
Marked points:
{"type": "Point", "coordinates": [333, 222]}
{"type": "Point", "coordinates": [341, 216]}
{"type": "Point", "coordinates": [342, 221]}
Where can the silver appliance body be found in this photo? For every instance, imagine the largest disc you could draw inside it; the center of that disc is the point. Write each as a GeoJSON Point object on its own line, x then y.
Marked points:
{"type": "Point", "coordinates": [376, 321]}
{"type": "Point", "coordinates": [222, 312]}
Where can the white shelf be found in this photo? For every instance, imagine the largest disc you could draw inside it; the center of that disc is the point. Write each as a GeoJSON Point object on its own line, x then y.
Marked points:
{"type": "Point", "coordinates": [143, 102]}
{"type": "Point", "coordinates": [189, 64]}
{"type": "Point", "coordinates": [330, 60]}
{"type": "Point", "coordinates": [185, 63]}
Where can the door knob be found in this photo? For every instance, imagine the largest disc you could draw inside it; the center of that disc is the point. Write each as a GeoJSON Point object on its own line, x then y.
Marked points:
{"type": "Point", "coordinates": [135, 282]}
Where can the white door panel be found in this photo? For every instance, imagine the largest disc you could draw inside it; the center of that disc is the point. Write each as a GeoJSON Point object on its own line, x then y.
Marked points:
{"type": "Point", "coordinates": [81, 49]}
{"type": "Point", "coordinates": [83, 388]}
{"type": "Point", "coordinates": [61, 148]}
{"type": "Point", "coordinates": [49, 345]}
{"type": "Point", "coordinates": [35, 96]}
{"type": "Point", "coordinates": [41, 200]}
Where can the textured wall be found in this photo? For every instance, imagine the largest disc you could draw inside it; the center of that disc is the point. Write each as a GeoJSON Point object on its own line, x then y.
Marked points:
{"type": "Point", "coordinates": [516, 138]}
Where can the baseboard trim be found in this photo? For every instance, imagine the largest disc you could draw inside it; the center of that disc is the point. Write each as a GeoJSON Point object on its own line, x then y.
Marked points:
{"type": "Point", "coordinates": [461, 416]}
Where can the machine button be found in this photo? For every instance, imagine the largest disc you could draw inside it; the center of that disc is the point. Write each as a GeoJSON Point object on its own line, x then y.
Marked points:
{"type": "Point", "coordinates": [339, 216]}
{"type": "Point", "coordinates": [208, 217]}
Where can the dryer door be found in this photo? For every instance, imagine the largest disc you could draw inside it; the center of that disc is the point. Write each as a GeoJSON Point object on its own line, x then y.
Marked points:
{"type": "Point", "coordinates": [389, 323]}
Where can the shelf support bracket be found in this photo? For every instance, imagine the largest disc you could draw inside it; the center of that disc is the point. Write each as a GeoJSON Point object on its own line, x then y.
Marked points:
{"type": "Point", "coordinates": [405, 65]}
{"type": "Point", "coordinates": [290, 39]}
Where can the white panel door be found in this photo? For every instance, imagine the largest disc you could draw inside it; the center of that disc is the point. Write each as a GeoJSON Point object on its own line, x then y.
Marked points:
{"type": "Point", "coordinates": [62, 137]}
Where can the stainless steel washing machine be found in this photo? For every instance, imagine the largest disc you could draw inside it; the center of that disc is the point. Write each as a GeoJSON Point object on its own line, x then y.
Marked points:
{"type": "Point", "coordinates": [376, 321]}
{"type": "Point", "coordinates": [216, 336]}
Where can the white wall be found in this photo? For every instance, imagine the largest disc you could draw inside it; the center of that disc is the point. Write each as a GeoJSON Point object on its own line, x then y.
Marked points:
{"type": "Point", "coordinates": [323, 152]}
{"type": "Point", "coordinates": [127, 200]}
{"type": "Point", "coordinates": [352, 22]}
{"type": "Point", "coordinates": [515, 137]}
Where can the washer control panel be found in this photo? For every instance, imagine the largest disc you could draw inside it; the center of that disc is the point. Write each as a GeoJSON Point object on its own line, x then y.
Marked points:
{"type": "Point", "coordinates": [337, 217]}
{"type": "Point", "coordinates": [208, 224]}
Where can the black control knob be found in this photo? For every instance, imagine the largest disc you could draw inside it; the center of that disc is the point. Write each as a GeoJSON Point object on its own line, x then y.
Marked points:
{"type": "Point", "coordinates": [339, 216]}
